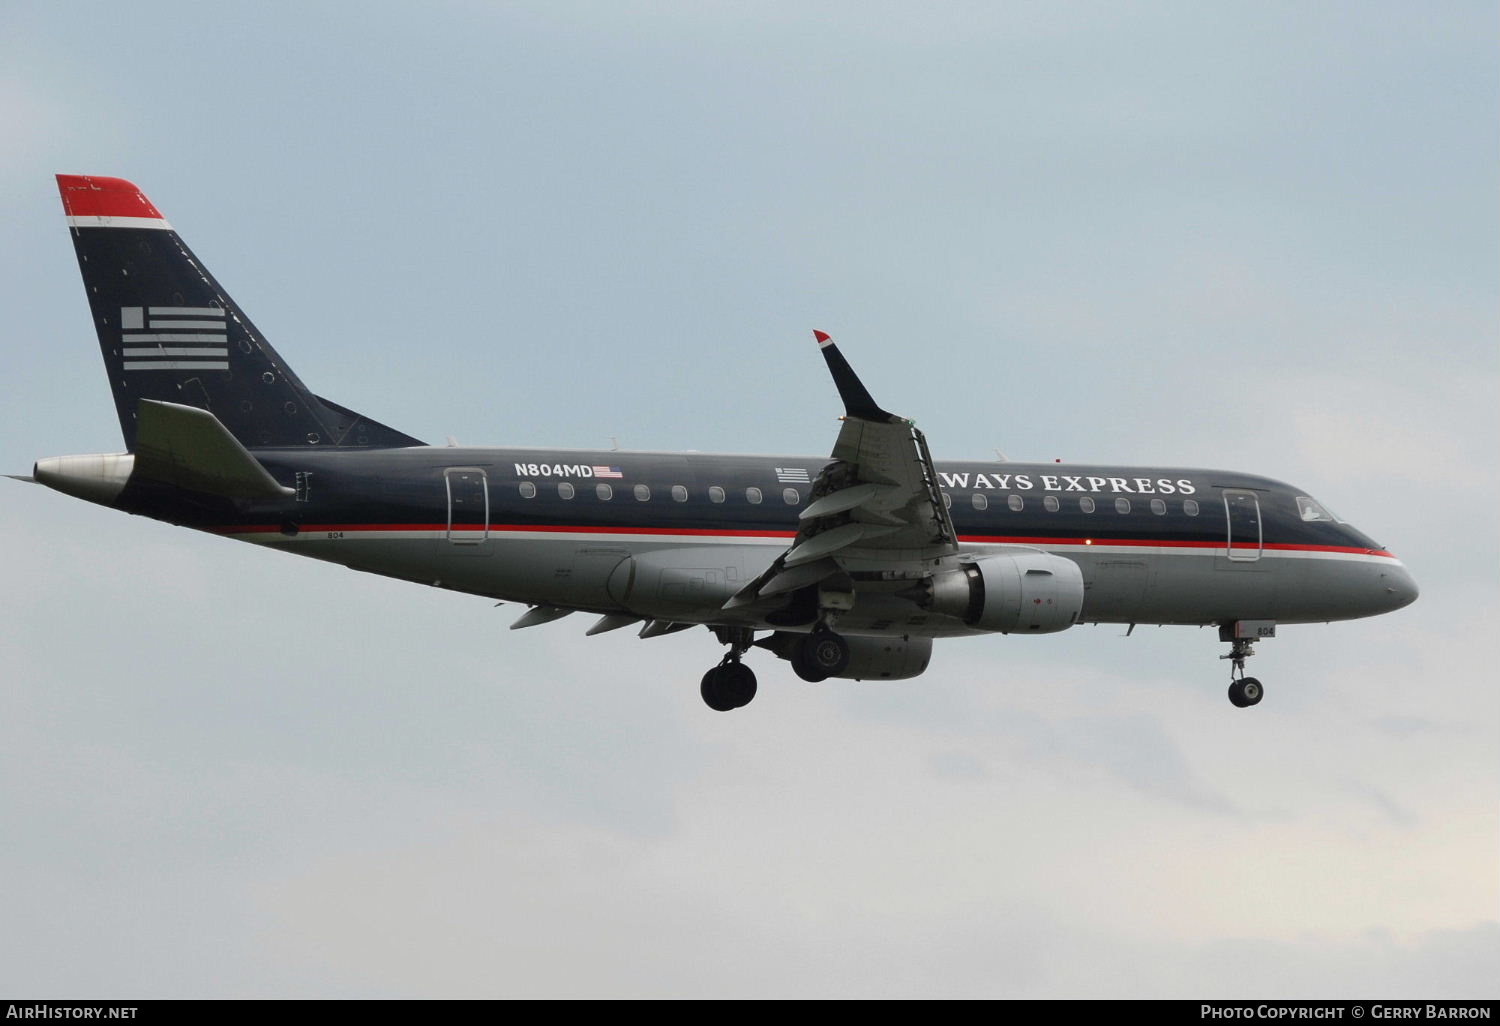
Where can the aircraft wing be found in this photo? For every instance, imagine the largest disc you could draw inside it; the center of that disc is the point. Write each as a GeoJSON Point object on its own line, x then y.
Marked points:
{"type": "Point", "coordinates": [878, 503]}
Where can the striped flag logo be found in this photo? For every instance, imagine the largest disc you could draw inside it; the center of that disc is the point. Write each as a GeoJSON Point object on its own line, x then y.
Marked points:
{"type": "Point", "coordinates": [174, 338]}
{"type": "Point", "coordinates": [792, 475]}
{"type": "Point", "coordinates": [607, 472]}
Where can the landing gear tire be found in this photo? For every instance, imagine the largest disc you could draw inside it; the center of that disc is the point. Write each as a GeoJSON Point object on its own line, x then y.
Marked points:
{"type": "Point", "coordinates": [728, 686]}
{"type": "Point", "coordinates": [713, 692]}
{"type": "Point", "coordinates": [807, 673]}
{"type": "Point", "coordinates": [1245, 692]}
{"type": "Point", "coordinates": [737, 681]}
{"type": "Point", "coordinates": [822, 654]}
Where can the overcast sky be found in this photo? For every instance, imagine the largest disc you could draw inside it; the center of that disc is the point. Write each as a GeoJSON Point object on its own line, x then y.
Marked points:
{"type": "Point", "coordinates": [1259, 236]}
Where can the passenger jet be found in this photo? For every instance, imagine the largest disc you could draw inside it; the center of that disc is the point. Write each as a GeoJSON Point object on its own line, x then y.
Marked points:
{"type": "Point", "coordinates": [847, 565]}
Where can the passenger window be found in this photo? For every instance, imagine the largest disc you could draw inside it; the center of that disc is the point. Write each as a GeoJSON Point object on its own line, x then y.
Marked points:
{"type": "Point", "coordinates": [715, 494]}
{"type": "Point", "coordinates": [790, 496]}
{"type": "Point", "coordinates": [642, 493]}
{"type": "Point", "coordinates": [679, 493]}
{"type": "Point", "coordinates": [604, 491]}
{"type": "Point", "coordinates": [980, 501]}
{"type": "Point", "coordinates": [752, 496]}
{"type": "Point", "coordinates": [1015, 502]}
{"type": "Point", "coordinates": [947, 501]}
{"type": "Point", "coordinates": [1086, 504]}
{"type": "Point", "coordinates": [1122, 505]}
{"type": "Point", "coordinates": [1190, 507]}
{"type": "Point", "coordinates": [1159, 507]}
{"type": "Point", "coordinates": [528, 490]}
{"type": "Point", "coordinates": [1050, 504]}
{"type": "Point", "coordinates": [564, 490]}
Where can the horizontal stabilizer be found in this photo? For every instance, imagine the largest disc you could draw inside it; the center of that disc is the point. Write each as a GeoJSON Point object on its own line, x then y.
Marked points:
{"type": "Point", "coordinates": [189, 448]}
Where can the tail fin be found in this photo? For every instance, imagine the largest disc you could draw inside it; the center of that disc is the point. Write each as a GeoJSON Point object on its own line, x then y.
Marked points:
{"type": "Point", "coordinates": [170, 333]}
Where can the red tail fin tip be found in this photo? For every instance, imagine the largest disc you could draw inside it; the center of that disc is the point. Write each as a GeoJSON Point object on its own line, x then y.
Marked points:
{"type": "Point", "coordinates": [93, 196]}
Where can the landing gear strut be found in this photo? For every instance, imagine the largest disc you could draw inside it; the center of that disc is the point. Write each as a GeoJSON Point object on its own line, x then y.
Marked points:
{"type": "Point", "coordinates": [731, 684]}
{"type": "Point", "coordinates": [1243, 691]}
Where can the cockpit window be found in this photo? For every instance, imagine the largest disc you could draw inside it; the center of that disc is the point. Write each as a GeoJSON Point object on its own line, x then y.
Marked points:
{"type": "Point", "coordinates": [1312, 510]}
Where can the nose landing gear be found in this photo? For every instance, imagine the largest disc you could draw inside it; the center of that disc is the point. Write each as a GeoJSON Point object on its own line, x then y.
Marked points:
{"type": "Point", "coordinates": [1241, 635]}
{"type": "Point", "coordinates": [1243, 691]}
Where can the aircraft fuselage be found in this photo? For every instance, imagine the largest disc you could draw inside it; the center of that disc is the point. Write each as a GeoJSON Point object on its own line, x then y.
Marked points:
{"type": "Point", "coordinates": [555, 527]}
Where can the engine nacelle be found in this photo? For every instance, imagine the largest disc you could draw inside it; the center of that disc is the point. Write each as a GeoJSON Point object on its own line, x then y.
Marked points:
{"type": "Point", "coordinates": [882, 658]}
{"type": "Point", "coordinates": [894, 658]}
{"type": "Point", "coordinates": [1016, 593]}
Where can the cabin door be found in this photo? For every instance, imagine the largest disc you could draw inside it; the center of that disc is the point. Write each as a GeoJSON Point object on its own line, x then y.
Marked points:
{"type": "Point", "coordinates": [468, 507]}
{"type": "Point", "coordinates": [1245, 536]}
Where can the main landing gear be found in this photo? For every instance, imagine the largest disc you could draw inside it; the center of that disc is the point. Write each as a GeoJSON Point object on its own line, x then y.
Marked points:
{"type": "Point", "coordinates": [814, 657]}
{"type": "Point", "coordinates": [820, 655]}
{"type": "Point", "coordinates": [731, 684]}
{"type": "Point", "coordinates": [1243, 691]}
{"type": "Point", "coordinates": [728, 686]}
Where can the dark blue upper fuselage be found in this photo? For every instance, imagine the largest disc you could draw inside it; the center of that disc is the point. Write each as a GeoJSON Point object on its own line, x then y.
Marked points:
{"type": "Point", "coordinates": [707, 493]}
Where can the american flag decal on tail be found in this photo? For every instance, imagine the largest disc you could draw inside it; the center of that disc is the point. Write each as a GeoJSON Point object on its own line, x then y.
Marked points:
{"type": "Point", "coordinates": [174, 338]}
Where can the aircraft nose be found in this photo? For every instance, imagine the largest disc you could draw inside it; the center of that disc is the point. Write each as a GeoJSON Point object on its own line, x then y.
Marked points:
{"type": "Point", "coordinates": [1400, 588]}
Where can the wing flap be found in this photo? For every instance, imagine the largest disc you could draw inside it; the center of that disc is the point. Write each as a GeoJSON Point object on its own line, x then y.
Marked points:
{"type": "Point", "coordinates": [882, 474]}
{"type": "Point", "coordinates": [843, 501]}
{"type": "Point", "coordinates": [878, 501]}
{"type": "Point", "coordinates": [832, 540]}
{"type": "Point", "coordinates": [537, 615]}
{"type": "Point", "coordinates": [611, 622]}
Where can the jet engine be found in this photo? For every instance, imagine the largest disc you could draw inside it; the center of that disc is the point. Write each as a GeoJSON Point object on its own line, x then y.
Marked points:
{"type": "Point", "coordinates": [1015, 593]}
{"type": "Point", "coordinates": [879, 658]}
{"type": "Point", "coordinates": [894, 658]}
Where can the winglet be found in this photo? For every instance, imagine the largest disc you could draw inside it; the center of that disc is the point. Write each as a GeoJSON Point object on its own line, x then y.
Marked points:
{"type": "Point", "coordinates": [857, 401]}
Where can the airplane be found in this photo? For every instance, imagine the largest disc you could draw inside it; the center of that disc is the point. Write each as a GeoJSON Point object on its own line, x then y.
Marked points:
{"type": "Point", "coordinates": [847, 566]}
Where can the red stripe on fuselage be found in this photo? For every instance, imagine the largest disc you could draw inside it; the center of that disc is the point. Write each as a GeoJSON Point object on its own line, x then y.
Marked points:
{"type": "Point", "coordinates": [988, 539]}
{"type": "Point", "coordinates": [511, 528]}
{"type": "Point", "coordinates": [715, 532]}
